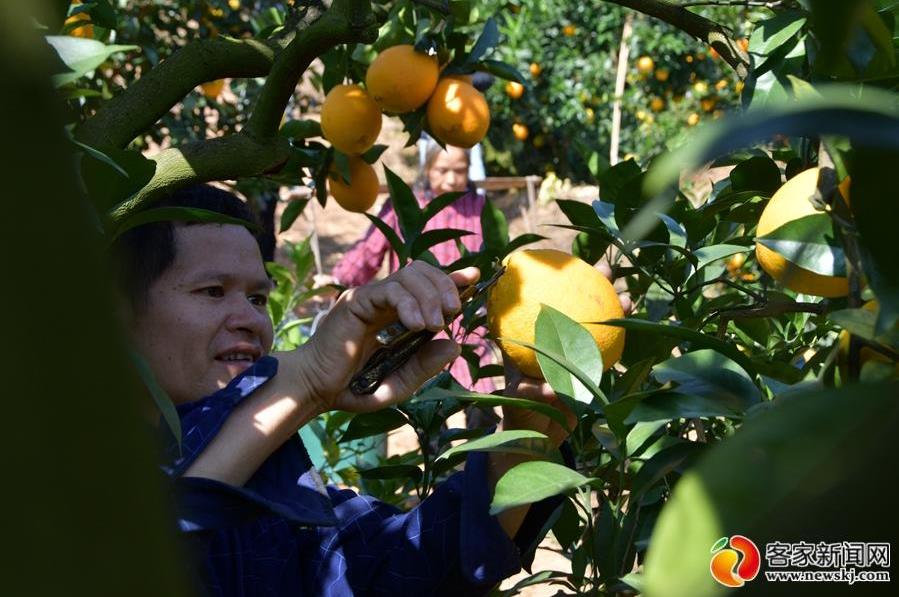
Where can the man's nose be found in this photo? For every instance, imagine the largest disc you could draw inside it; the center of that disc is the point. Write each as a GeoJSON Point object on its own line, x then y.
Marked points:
{"type": "Point", "coordinates": [247, 317]}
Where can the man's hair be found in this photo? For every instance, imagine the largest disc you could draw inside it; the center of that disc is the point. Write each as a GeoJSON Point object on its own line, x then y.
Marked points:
{"type": "Point", "coordinates": [141, 255]}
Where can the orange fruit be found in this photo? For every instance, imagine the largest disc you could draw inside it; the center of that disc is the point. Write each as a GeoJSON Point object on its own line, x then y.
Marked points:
{"type": "Point", "coordinates": [791, 202]}
{"type": "Point", "coordinates": [85, 31]}
{"type": "Point", "coordinates": [693, 119]}
{"type": "Point", "coordinates": [744, 44]}
{"type": "Point", "coordinates": [213, 89]}
{"type": "Point", "coordinates": [401, 79]}
{"type": "Point", "coordinates": [539, 141]}
{"type": "Point", "coordinates": [738, 86]}
{"type": "Point", "coordinates": [514, 89]}
{"type": "Point", "coordinates": [657, 104]}
{"type": "Point", "coordinates": [689, 58]}
{"type": "Point", "coordinates": [520, 131]}
{"type": "Point", "coordinates": [458, 114]}
{"type": "Point", "coordinates": [360, 192]}
{"type": "Point", "coordinates": [662, 74]}
{"type": "Point", "coordinates": [589, 114]}
{"type": "Point", "coordinates": [714, 53]}
{"type": "Point", "coordinates": [708, 104]}
{"type": "Point", "coordinates": [564, 282]}
{"type": "Point", "coordinates": [535, 69]}
{"type": "Point", "coordinates": [645, 64]}
{"type": "Point", "coordinates": [569, 30]}
{"type": "Point", "coordinates": [721, 84]}
{"type": "Point", "coordinates": [350, 119]}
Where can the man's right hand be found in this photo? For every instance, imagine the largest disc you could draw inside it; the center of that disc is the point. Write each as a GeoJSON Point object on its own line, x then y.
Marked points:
{"type": "Point", "coordinates": [419, 295]}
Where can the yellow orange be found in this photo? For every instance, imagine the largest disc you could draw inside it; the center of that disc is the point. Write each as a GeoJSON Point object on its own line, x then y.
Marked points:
{"type": "Point", "coordinates": [401, 79]}
{"type": "Point", "coordinates": [564, 282]}
{"type": "Point", "coordinates": [662, 74]}
{"type": "Point", "coordinates": [520, 131]}
{"type": "Point", "coordinates": [514, 89]}
{"type": "Point", "coordinates": [791, 202]}
{"type": "Point", "coordinates": [569, 30]}
{"type": "Point", "coordinates": [350, 119]}
{"type": "Point", "coordinates": [213, 89]}
{"type": "Point", "coordinates": [865, 354]}
{"type": "Point", "coordinates": [360, 193]}
{"type": "Point", "coordinates": [657, 104]}
{"type": "Point", "coordinates": [645, 64]}
{"type": "Point", "coordinates": [458, 114]}
{"type": "Point", "coordinates": [693, 119]}
{"type": "Point", "coordinates": [535, 69]}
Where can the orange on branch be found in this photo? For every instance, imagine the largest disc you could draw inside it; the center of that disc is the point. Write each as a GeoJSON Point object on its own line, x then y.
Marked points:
{"type": "Point", "coordinates": [458, 114]}
{"type": "Point", "coordinates": [535, 69]}
{"type": "Point", "coordinates": [520, 131]}
{"type": "Point", "coordinates": [645, 64]}
{"type": "Point", "coordinates": [791, 202]}
{"type": "Point", "coordinates": [693, 119]}
{"type": "Point", "coordinates": [350, 119]}
{"type": "Point", "coordinates": [514, 89]}
{"type": "Point", "coordinates": [359, 194]}
{"type": "Point", "coordinates": [662, 74]}
{"type": "Point", "coordinates": [401, 79]}
{"type": "Point", "coordinates": [85, 31]}
{"type": "Point", "coordinates": [213, 89]}
{"type": "Point", "coordinates": [657, 104]}
{"type": "Point", "coordinates": [569, 30]}
{"type": "Point", "coordinates": [565, 283]}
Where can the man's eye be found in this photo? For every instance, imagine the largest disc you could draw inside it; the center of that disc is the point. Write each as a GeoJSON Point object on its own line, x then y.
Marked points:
{"type": "Point", "coordinates": [260, 300]}
{"type": "Point", "coordinates": [213, 291]}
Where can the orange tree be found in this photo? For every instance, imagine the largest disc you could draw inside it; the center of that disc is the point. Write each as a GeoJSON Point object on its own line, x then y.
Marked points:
{"type": "Point", "coordinates": [733, 409]}
{"type": "Point", "coordinates": [569, 55]}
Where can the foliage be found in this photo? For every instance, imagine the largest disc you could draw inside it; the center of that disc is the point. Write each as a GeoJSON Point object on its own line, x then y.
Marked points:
{"type": "Point", "coordinates": [567, 107]}
{"type": "Point", "coordinates": [720, 365]}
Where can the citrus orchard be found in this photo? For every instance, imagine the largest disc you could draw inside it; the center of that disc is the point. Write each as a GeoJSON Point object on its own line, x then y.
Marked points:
{"type": "Point", "coordinates": [350, 119]}
{"type": "Point", "coordinates": [564, 282]}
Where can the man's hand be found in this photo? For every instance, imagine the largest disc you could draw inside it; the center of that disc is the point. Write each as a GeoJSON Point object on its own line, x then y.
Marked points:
{"type": "Point", "coordinates": [420, 296]}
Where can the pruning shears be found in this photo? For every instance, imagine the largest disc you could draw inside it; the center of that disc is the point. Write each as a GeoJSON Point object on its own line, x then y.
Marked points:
{"type": "Point", "coordinates": [398, 343]}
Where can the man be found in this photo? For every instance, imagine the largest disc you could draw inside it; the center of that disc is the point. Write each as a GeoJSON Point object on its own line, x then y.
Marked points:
{"type": "Point", "coordinates": [254, 510]}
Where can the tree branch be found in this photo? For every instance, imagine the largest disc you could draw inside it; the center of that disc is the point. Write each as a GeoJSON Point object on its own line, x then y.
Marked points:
{"type": "Point", "coordinates": [708, 31]}
{"type": "Point", "coordinates": [145, 101]}
{"type": "Point", "coordinates": [346, 21]}
{"type": "Point", "coordinates": [222, 158]}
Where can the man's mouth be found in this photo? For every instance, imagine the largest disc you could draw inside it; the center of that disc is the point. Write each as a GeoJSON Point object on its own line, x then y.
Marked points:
{"type": "Point", "coordinates": [240, 356]}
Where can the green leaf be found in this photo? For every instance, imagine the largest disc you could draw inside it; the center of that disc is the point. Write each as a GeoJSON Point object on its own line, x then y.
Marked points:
{"type": "Point", "coordinates": [405, 205]}
{"type": "Point", "coordinates": [99, 156]}
{"type": "Point", "coordinates": [554, 331]}
{"type": "Point", "coordinates": [531, 482]}
{"type": "Point", "coordinates": [160, 397]}
{"type": "Point", "coordinates": [106, 185]}
{"type": "Point", "coordinates": [291, 213]}
{"type": "Point", "coordinates": [371, 156]}
{"type": "Point", "coordinates": [169, 214]}
{"type": "Point", "coordinates": [486, 41]}
{"type": "Point", "coordinates": [392, 471]}
{"type": "Point", "coordinates": [758, 174]}
{"type": "Point", "coordinates": [810, 243]}
{"type": "Point", "coordinates": [301, 129]}
{"type": "Point", "coordinates": [494, 400]}
{"type": "Point", "coordinates": [773, 33]}
{"type": "Point", "coordinates": [696, 339]}
{"type": "Point", "coordinates": [434, 237]}
{"type": "Point", "coordinates": [81, 55]}
{"type": "Point", "coordinates": [395, 242]}
{"type": "Point", "coordinates": [494, 227]}
{"type": "Point", "coordinates": [787, 470]}
{"type": "Point", "coordinates": [662, 463]}
{"type": "Point", "coordinates": [503, 71]}
{"type": "Point", "coordinates": [561, 360]}
{"type": "Point", "coordinates": [669, 406]}
{"type": "Point", "coordinates": [676, 234]}
{"type": "Point", "coordinates": [706, 255]}
{"type": "Point", "coordinates": [639, 434]}
{"type": "Point", "coordinates": [710, 374]}
{"type": "Point", "coordinates": [374, 423]}
{"type": "Point", "coordinates": [518, 441]}
{"type": "Point", "coordinates": [438, 203]}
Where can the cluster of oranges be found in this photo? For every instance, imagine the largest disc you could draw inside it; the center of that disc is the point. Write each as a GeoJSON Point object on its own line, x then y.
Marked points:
{"type": "Point", "coordinates": [515, 90]}
{"type": "Point", "coordinates": [399, 80]}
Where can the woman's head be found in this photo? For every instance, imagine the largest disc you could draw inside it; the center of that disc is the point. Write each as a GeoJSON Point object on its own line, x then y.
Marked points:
{"type": "Point", "coordinates": [445, 171]}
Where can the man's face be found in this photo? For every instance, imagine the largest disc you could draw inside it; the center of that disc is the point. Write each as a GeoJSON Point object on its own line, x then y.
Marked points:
{"type": "Point", "coordinates": [205, 320]}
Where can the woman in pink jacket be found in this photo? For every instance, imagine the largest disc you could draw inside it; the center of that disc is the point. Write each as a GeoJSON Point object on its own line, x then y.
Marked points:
{"type": "Point", "coordinates": [443, 172]}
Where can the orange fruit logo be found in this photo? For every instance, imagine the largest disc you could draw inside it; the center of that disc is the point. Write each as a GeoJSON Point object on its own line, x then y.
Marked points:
{"type": "Point", "coordinates": [735, 565]}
